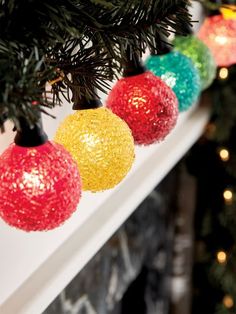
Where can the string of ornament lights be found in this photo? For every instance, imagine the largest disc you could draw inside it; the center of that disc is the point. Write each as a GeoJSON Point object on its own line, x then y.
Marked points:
{"type": "Point", "coordinates": [142, 108]}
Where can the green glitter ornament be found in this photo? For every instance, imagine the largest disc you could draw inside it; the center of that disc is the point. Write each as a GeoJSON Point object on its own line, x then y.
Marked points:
{"type": "Point", "coordinates": [201, 56]}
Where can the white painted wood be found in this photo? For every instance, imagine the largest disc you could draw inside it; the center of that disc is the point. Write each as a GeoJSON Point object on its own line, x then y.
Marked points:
{"type": "Point", "coordinates": [35, 267]}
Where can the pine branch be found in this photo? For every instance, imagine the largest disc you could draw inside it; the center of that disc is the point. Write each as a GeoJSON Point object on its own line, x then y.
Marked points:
{"type": "Point", "coordinates": [20, 84]}
{"type": "Point", "coordinates": [84, 40]}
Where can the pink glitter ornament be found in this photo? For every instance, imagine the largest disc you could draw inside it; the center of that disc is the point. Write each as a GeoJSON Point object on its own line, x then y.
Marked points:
{"type": "Point", "coordinates": [219, 34]}
{"type": "Point", "coordinates": [146, 104]}
{"type": "Point", "coordinates": [39, 186]}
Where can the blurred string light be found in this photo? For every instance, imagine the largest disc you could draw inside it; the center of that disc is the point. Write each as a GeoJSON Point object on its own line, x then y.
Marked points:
{"type": "Point", "coordinates": [221, 257]}
{"type": "Point", "coordinates": [210, 130]}
{"type": "Point", "coordinates": [224, 154]}
{"type": "Point", "coordinates": [223, 73]}
{"type": "Point", "coordinates": [218, 34]}
{"type": "Point", "coordinates": [228, 301]}
{"type": "Point", "coordinates": [228, 196]}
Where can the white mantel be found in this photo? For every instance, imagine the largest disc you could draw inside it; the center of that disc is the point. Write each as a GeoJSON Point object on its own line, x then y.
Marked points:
{"type": "Point", "coordinates": [35, 267]}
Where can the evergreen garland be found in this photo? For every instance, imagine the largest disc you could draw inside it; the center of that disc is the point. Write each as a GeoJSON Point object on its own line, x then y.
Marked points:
{"type": "Point", "coordinates": [77, 45]}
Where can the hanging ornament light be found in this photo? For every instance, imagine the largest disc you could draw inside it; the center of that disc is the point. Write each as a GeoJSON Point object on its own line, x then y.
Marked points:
{"type": "Point", "coordinates": [40, 184]}
{"type": "Point", "coordinates": [100, 142]}
{"type": "Point", "coordinates": [177, 71]}
{"type": "Point", "coordinates": [219, 34]}
{"type": "Point", "coordinates": [228, 11]}
{"type": "Point", "coordinates": [200, 54]}
{"type": "Point", "coordinates": [145, 102]}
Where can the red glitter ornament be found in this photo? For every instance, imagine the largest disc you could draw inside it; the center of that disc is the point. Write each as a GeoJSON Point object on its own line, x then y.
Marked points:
{"type": "Point", "coordinates": [219, 34]}
{"type": "Point", "coordinates": [147, 105]}
{"type": "Point", "coordinates": [39, 186]}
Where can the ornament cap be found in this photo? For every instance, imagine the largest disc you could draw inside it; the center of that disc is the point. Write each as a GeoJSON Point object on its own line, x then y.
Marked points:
{"type": "Point", "coordinates": [86, 101]}
{"type": "Point", "coordinates": [188, 30]}
{"type": "Point", "coordinates": [214, 12]}
{"type": "Point", "coordinates": [133, 64]}
{"type": "Point", "coordinates": [28, 136]}
{"type": "Point", "coordinates": [84, 104]}
{"type": "Point", "coordinates": [162, 46]}
{"type": "Point", "coordinates": [132, 70]}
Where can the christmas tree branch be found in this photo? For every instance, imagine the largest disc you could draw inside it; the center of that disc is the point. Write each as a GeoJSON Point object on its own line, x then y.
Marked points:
{"type": "Point", "coordinates": [84, 40]}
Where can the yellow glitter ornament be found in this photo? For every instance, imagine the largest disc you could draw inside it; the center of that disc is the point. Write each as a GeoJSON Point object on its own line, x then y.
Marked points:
{"type": "Point", "coordinates": [229, 12]}
{"type": "Point", "coordinates": [102, 145]}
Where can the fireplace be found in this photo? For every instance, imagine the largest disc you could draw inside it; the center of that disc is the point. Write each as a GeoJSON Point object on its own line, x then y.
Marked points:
{"type": "Point", "coordinates": [134, 272]}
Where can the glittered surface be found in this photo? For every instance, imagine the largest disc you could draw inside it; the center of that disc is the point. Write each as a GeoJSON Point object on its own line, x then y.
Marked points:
{"type": "Point", "coordinates": [147, 104]}
{"type": "Point", "coordinates": [229, 12]}
{"type": "Point", "coordinates": [201, 56]}
{"type": "Point", "coordinates": [39, 187]}
{"type": "Point", "coordinates": [102, 145]}
{"type": "Point", "coordinates": [179, 73]}
{"type": "Point", "coordinates": [219, 35]}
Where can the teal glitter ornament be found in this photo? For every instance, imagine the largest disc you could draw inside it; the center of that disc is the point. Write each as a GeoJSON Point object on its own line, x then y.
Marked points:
{"type": "Point", "coordinates": [179, 73]}
{"type": "Point", "coordinates": [201, 56]}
